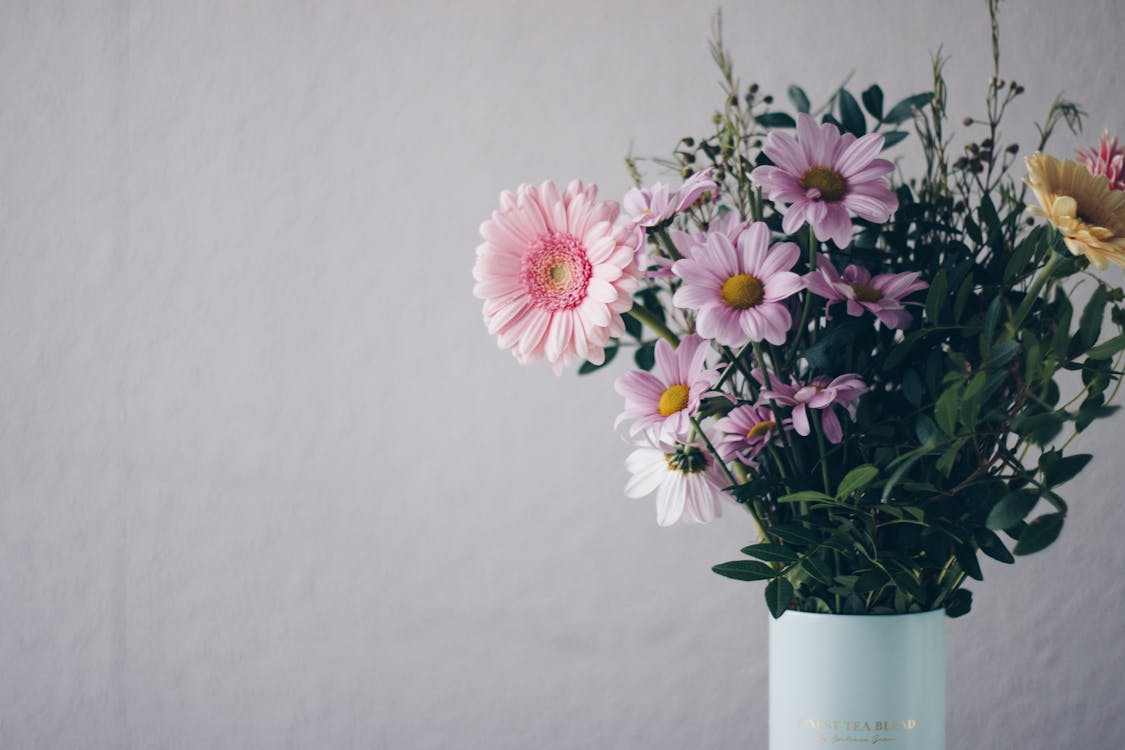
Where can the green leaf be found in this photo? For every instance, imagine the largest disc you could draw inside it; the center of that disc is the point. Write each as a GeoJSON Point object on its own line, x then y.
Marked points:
{"type": "Point", "coordinates": [870, 580]}
{"type": "Point", "coordinates": [1087, 415]}
{"type": "Point", "coordinates": [1039, 534]}
{"type": "Point", "coordinates": [795, 534]}
{"type": "Point", "coordinates": [949, 458]}
{"type": "Point", "coordinates": [905, 109]}
{"type": "Point", "coordinates": [935, 298]}
{"type": "Point", "coordinates": [991, 545]}
{"type": "Point", "coordinates": [1060, 339]}
{"type": "Point", "coordinates": [967, 559]}
{"type": "Point", "coordinates": [908, 460]}
{"type": "Point", "coordinates": [776, 120]}
{"type": "Point", "coordinates": [645, 356]}
{"type": "Point", "coordinates": [991, 321]}
{"type": "Point", "coordinates": [1090, 324]}
{"type": "Point", "coordinates": [633, 326]}
{"type": "Point", "coordinates": [1039, 427]}
{"type": "Point", "coordinates": [893, 138]}
{"type": "Point", "coordinates": [1064, 469]}
{"type": "Point", "coordinates": [1017, 263]}
{"type": "Point", "coordinates": [988, 214]}
{"type": "Point", "coordinates": [959, 603]}
{"type": "Point", "coordinates": [962, 297]}
{"type": "Point", "coordinates": [770, 553]}
{"type": "Point", "coordinates": [873, 101]}
{"type": "Point", "coordinates": [906, 581]}
{"type": "Point", "coordinates": [1107, 349]}
{"type": "Point", "coordinates": [588, 367]}
{"type": "Point", "coordinates": [1011, 509]}
{"type": "Point", "coordinates": [799, 98]}
{"type": "Point", "coordinates": [946, 408]}
{"type": "Point", "coordinates": [817, 569]}
{"type": "Point", "coordinates": [850, 114]}
{"type": "Point", "coordinates": [745, 570]}
{"type": "Point", "coordinates": [805, 496]}
{"type": "Point", "coordinates": [856, 480]}
{"type": "Point", "coordinates": [1002, 354]}
{"type": "Point", "coordinates": [779, 594]}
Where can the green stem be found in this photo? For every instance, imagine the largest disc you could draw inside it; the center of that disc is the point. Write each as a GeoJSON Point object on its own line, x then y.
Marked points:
{"type": "Point", "coordinates": [808, 299]}
{"type": "Point", "coordinates": [668, 245]}
{"type": "Point", "coordinates": [821, 448]}
{"type": "Point", "coordinates": [797, 461]}
{"type": "Point", "coordinates": [1033, 293]}
{"type": "Point", "coordinates": [645, 317]}
{"type": "Point", "coordinates": [733, 479]}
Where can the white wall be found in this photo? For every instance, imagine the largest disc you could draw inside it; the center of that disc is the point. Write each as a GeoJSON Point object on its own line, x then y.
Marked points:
{"type": "Point", "coordinates": [266, 482]}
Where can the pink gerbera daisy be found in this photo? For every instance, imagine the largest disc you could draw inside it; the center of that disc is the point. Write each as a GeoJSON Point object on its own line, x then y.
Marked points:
{"type": "Point", "coordinates": [1108, 160]}
{"type": "Point", "coordinates": [739, 294]}
{"type": "Point", "coordinates": [652, 206]}
{"type": "Point", "coordinates": [687, 482]}
{"type": "Point", "coordinates": [826, 176]}
{"type": "Point", "coordinates": [664, 400]}
{"type": "Point", "coordinates": [555, 274]}
{"type": "Point", "coordinates": [746, 431]}
{"type": "Point", "coordinates": [881, 295]}
{"type": "Point", "coordinates": [820, 393]}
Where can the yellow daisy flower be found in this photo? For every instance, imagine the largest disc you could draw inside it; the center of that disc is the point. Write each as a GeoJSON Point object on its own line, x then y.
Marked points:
{"type": "Point", "coordinates": [1090, 216]}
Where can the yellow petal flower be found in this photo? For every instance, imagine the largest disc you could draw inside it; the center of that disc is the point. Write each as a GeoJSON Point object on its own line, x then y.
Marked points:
{"type": "Point", "coordinates": [1090, 216]}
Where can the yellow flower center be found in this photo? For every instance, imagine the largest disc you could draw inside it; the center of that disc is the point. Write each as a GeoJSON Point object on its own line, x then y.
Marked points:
{"type": "Point", "coordinates": [829, 182]}
{"type": "Point", "coordinates": [761, 429]}
{"type": "Point", "coordinates": [686, 459]}
{"type": "Point", "coordinates": [674, 399]}
{"type": "Point", "coordinates": [865, 293]}
{"type": "Point", "coordinates": [742, 291]}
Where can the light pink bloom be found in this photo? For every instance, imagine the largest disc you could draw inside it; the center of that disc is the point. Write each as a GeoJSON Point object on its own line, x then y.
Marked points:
{"type": "Point", "coordinates": [730, 225]}
{"type": "Point", "coordinates": [820, 393]}
{"type": "Point", "coordinates": [660, 267]}
{"type": "Point", "coordinates": [555, 274]}
{"type": "Point", "coordinates": [663, 401]}
{"type": "Point", "coordinates": [652, 206]}
{"type": "Point", "coordinates": [881, 295]}
{"type": "Point", "coordinates": [739, 294]}
{"type": "Point", "coordinates": [1108, 160]}
{"type": "Point", "coordinates": [746, 431]}
{"type": "Point", "coordinates": [687, 482]}
{"type": "Point", "coordinates": [826, 176]}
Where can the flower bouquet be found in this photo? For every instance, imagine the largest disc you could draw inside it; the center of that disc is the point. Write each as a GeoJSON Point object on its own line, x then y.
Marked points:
{"type": "Point", "coordinates": [883, 373]}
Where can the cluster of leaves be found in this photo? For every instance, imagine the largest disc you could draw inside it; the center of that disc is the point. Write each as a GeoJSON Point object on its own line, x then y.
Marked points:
{"type": "Point", "coordinates": [961, 443]}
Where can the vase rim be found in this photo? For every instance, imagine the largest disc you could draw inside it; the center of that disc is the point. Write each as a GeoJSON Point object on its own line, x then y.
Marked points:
{"type": "Point", "coordinates": [829, 615]}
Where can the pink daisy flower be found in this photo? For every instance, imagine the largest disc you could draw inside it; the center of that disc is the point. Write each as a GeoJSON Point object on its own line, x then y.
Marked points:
{"type": "Point", "coordinates": [663, 401]}
{"type": "Point", "coordinates": [1108, 160]}
{"type": "Point", "coordinates": [739, 294]}
{"type": "Point", "coordinates": [687, 482]}
{"type": "Point", "coordinates": [881, 295]}
{"type": "Point", "coordinates": [746, 431]}
{"type": "Point", "coordinates": [660, 267]}
{"type": "Point", "coordinates": [820, 393]}
{"type": "Point", "coordinates": [555, 274]}
{"type": "Point", "coordinates": [652, 206]}
{"type": "Point", "coordinates": [826, 176]}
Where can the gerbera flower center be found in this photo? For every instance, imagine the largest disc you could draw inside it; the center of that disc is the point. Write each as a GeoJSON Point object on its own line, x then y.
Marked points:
{"type": "Point", "coordinates": [674, 399]}
{"type": "Point", "coordinates": [686, 459]}
{"type": "Point", "coordinates": [865, 293]}
{"type": "Point", "coordinates": [743, 291]}
{"type": "Point", "coordinates": [828, 182]}
{"type": "Point", "coordinates": [556, 272]}
{"type": "Point", "coordinates": [760, 429]}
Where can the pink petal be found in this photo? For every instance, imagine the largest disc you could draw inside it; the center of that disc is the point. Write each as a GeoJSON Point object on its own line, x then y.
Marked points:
{"type": "Point", "coordinates": [859, 154]}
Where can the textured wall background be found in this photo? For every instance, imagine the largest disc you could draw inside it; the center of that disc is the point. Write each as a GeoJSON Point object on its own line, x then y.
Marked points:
{"type": "Point", "coordinates": [265, 480]}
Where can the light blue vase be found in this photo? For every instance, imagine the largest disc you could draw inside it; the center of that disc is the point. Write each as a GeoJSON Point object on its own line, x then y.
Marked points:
{"type": "Point", "coordinates": [857, 681]}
